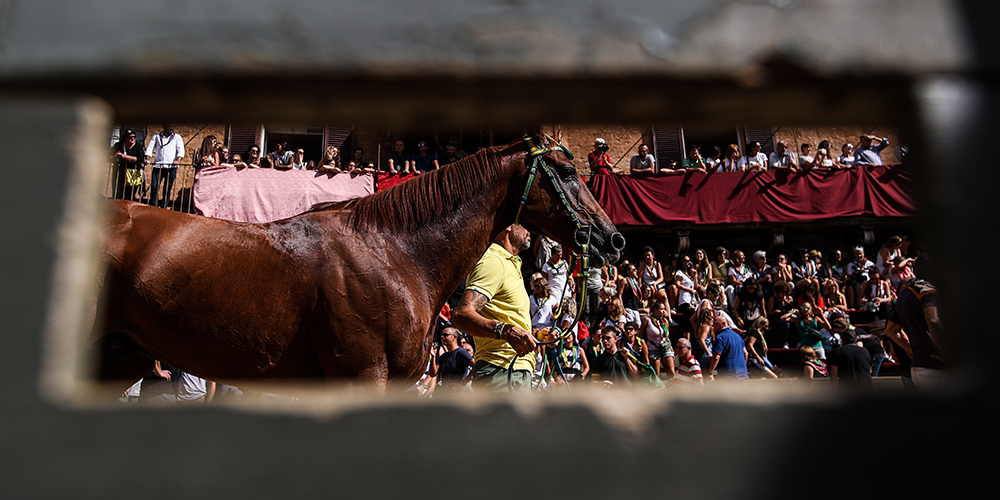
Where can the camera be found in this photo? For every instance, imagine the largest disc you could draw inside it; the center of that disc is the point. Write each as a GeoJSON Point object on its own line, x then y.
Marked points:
{"type": "Point", "coordinates": [603, 147]}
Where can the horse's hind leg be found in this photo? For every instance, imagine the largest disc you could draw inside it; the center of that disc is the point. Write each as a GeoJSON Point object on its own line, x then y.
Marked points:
{"type": "Point", "coordinates": [374, 379]}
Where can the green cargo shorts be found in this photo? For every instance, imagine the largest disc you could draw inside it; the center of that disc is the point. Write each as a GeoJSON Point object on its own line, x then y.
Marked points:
{"type": "Point", "coordinates": [492, 378]}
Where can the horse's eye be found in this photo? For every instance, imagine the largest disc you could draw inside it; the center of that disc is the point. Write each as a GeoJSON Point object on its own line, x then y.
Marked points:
{"type": "Point", "coordinates": [566, 171]}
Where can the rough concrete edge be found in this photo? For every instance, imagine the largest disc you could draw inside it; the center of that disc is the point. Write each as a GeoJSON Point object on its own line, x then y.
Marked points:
{"type": "Point", "coordinates": [77, 252]}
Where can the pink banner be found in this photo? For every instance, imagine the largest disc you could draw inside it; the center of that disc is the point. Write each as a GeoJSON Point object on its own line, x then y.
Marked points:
{"type": "Point", "coordinates": [264, 194]}
{"type": "Point", "coordinates": [748, 197]}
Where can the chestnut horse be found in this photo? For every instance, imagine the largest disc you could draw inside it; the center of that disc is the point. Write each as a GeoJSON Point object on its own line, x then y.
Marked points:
{"type": "Point", "coordinates": [346, 290]}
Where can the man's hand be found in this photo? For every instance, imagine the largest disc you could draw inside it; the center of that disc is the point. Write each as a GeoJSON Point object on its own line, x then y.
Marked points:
{"type": "Point", "coordinates": [160, 372]}
{"type": "Point", "coordinates": [521, 341]}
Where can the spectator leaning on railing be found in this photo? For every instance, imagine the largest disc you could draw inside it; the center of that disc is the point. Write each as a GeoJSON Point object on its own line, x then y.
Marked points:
{"type": "Point", "coordinates": [128, 171]}
{"type": "Point", "coordinates": [164, 150]}
{"type": "Point", "coordinates": [783, 159]}
{"type": "Point", "coordinates": [643, 163]}
{"type": "Point", "coordinates": [866, 154]}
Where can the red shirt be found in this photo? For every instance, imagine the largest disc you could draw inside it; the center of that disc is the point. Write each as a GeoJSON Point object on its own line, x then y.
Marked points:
{"type": "Point", "coordinates": [600, 162]}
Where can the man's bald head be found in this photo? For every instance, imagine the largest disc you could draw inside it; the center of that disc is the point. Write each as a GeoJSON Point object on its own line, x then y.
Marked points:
{"type": "Point", "coordinates": [719, 324]}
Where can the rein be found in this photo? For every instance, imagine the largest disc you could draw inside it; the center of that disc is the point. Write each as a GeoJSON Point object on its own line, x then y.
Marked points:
{"type": "Point", "coordinates": [583, 232]}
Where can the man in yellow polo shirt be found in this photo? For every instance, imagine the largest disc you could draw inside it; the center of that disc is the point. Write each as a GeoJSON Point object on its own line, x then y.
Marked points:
{"type": "Point", "coordinates": [495, 310]}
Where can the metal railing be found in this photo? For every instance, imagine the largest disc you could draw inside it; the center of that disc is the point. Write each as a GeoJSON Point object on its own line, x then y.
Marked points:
{"type": "Point", "coordinates": [181, 189]}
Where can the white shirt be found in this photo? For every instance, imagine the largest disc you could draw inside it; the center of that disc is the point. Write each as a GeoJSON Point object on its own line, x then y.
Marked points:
{"type": "Point", "coordinates": [753, 162]}
{"type": "Point", "coordinates": [782, 160]}
{"type": "Point", "coordinates": [541, 313]}
{"type": "Point", "coordinates": [557, 278]}
{"type": "Point", "coordinates": [740, 276]}
{"type": "Point", "coordinates": [713, 165]}
{"type": "Point", "coordinates": [684, 296]}
{"type": "Point", "coordinates": [165, 150]}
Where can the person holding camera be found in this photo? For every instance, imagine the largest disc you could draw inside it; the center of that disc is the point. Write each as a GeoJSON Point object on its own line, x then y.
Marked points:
{"type": "Point", "coordinates": [599, 159]}
{"type": "Point", "coordinates": [806, 159]}
{"type": "Point", "coordinates": [782, 159]}
{"type": "Point", "coordinates": [856, 276]}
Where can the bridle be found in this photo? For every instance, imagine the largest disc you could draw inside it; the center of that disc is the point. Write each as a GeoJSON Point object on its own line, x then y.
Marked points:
{"type": "Point", "coordinates": [536, 161]}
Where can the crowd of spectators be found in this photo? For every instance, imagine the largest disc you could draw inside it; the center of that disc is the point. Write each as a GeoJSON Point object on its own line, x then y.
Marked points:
{"type": "Point", "coordinates": [693, 318]}
{"type": "Point", "coordinates": [165, 151]}
{"type": "Point", "coordinates": [713, 159]}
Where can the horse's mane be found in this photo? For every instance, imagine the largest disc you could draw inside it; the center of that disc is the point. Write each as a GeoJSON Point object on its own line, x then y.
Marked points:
{"type": "Point", "coordinates": [412, 204]}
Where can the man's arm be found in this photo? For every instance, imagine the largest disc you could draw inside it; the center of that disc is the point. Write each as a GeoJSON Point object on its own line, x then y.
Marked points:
{"type": "Point", "coordinates": [468, 319]}
{"type": "Point", "coordinates": [711, 366]}
{"type": "Point", "coordinates": [180, 150]}
{"type": "Point", "coordinates": [633, 369]}
{"type": "Point", "coordinates": [833, 374]}
{"type": "Point", "coordinates": [895, 332]}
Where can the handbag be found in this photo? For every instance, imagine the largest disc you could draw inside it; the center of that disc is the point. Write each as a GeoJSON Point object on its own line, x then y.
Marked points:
{"type": "Point", "coordinates": [133, 176]}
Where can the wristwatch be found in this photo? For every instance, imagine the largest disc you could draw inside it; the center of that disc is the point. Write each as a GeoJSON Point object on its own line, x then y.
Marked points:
{"type": "Point", "coordinates": [498, 329]}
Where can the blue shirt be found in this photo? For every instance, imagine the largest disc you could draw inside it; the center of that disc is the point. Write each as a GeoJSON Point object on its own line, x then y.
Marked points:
{"type": "Point", "coordinates": [871, 155]}
{"type": "Point", "coordinates": [732, 363]}
{"type": "Point", "coordinates": [424, 163]}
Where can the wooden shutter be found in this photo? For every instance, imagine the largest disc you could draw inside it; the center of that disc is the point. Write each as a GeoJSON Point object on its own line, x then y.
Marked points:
{"type": "Point", "coordinates": [763, 135]}
{"type": "Point", "coordinates": [241, 137]}
{"type": "Point", "coordinates": [337, 136]}
{"type": "Point", "coordinates": [667, 145]}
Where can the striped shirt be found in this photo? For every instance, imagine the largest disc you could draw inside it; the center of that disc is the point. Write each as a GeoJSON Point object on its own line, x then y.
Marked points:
{"type": "Point", "coordinates": [688, 370]}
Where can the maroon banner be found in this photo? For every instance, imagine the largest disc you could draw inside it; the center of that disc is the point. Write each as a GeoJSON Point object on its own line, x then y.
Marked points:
{"type": "Point", "coordinates": [748, 197]}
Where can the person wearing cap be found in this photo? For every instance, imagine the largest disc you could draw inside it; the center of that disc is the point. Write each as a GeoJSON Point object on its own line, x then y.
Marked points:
{"type": "Point", "coordinates": [128, 178]}
{"type": "Point", "coordinates": [783, 159]}
{"type": "Point", "coordinates": [688, 368]}
{"type": "Point", "coordinates": [599, 160]}
{"type": "Point", "coordinates": [423, 160]}
{"type": "Point", "coordinates": [866, 154]}
{"type": "Point", "coordinates": [494, 309]}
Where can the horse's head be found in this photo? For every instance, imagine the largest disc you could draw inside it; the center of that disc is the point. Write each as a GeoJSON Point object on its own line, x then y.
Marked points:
{"type": "Point", "coordinates": [553, 200]}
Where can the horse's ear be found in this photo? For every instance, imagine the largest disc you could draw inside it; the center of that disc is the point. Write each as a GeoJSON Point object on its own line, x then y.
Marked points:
{"type": "Point", "coordinates": [542, 139]}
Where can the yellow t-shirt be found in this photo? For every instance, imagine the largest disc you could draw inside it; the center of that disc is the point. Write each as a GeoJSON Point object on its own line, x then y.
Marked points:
{"type": "Point", "coordinates": [497, 275]}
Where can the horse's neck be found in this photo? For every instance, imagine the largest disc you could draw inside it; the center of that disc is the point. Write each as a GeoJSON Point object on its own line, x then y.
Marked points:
{"type": "Point", "coordinates": [465, 231]}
